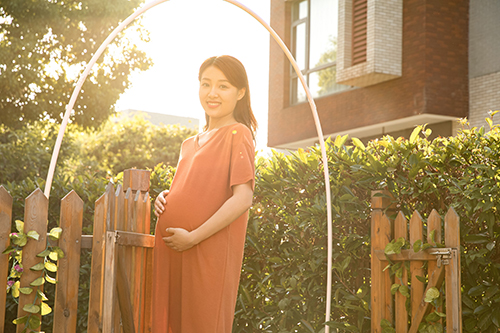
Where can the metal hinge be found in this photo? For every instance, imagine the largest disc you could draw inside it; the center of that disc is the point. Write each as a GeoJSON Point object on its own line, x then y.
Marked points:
{"type": "Point", "coordinates": [443, 256]}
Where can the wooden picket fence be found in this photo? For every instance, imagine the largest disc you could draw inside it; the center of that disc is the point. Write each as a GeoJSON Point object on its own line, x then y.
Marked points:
{"type": "Point", "coordinates": [121, 272]}
{"type": "Point", "coordinates": [443, 266]}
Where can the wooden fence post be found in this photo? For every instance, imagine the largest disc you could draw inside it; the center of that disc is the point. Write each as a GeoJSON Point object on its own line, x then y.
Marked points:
{"type": "Point", "coordinates": [381, 235]}
{"type": "Point", "coordinates": [35, 218]}
{"type": "Point", "coordinates": [94, 323]}
{"type": "Point", "coordinates": [68, 270]}
{"type": "Point", "coordinates": [401, 315]}
{"type": "Point", "coordinates": [5, 227]}
{"type": "Point", "coordinates": [453, 279]}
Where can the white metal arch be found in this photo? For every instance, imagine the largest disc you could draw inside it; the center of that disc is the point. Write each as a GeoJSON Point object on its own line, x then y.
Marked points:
{"type": "Point", "coordinates": [127, 21]}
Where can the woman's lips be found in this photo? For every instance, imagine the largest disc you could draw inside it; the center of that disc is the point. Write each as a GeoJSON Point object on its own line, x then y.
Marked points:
{"type": "Point", "coordinates": [213, 105]}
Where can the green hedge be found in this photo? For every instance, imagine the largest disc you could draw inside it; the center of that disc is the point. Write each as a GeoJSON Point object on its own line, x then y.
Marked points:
{"type": "Point", "coordinates": [284, 273]}
{"type": "Point", "coordinates": [283, 279]}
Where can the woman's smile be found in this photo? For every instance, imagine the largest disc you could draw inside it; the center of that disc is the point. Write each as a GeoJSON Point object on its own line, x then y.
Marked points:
{"type": "Point", "coordinates": [218, 97]}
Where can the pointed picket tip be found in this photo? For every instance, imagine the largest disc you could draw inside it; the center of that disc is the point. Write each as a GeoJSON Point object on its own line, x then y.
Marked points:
{"type": "Point", "coordinates": [72, 196]}
{"type": "Point", "coordinates": [37, 195]}
{"type": "Point", "coordinates": [401, 217]}
{"type": "Point", "coordinates": [416, 215]}
{"type": "Point", "coordinates": [118, 190]}
{"type": "Point", "coordinates": [452, 214]}
{"type": "Point", "coordinates": [137, 196]}
{"type": "Point", "coordinates": [110, 187]}
{"type": "Point", "coordinates": [5, 196]}
{"type": "Point", "coordinates": [452, 228]}
{"type": "Point", "coordinates": [128, 194]}
{"type": "Point", "coordinates": [146, 197]}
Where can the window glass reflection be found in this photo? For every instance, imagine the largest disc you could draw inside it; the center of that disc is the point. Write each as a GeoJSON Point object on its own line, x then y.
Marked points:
{"type": "Point", "coordinates": [298, 92]}
{"type": "Point", "coordinates": [300, 45]}
{"type": "Point", "coordinates": [323, 82]}
{"type": "Point", "coordinates": [323, 34]}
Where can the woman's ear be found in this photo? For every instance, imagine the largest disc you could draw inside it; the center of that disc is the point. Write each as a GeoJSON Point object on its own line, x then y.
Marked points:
{"type": "Point", "coordinates": [241, 93]}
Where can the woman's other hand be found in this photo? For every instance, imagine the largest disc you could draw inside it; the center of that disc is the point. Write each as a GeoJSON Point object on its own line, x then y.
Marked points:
{"type": "Point", "coordinates": [180, 240]}
{"type": "Point", "coordinates": [160, 203]}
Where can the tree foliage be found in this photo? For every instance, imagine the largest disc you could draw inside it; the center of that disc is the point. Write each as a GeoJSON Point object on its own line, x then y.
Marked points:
{"type": "Point", "coordinates": [130, 143]}
{"type": "Point", "coordinates": [44, 47]}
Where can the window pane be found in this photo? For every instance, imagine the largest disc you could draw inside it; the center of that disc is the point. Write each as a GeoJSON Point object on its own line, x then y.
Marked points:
{"type": "Point", "coordinates": [300, 45]}
{"type": "Point", "coordinates": [299, 10]}
{"type": "Point", "coordinates": [323, 82]}
{"type": "Point", "coordinates": [323, 34]}
{"type": "Point", "coordinates": [298, 92]}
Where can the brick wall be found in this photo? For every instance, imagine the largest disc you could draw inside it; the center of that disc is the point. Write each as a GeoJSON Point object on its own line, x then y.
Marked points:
{"type": "Point", "coordinates": [434, 76]}
{"type": "Point", "coordinates": [484, 96]}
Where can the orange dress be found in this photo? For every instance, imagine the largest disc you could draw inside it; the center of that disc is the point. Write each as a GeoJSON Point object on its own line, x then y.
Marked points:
{"type": "Point", "coordinates": [195, 291]}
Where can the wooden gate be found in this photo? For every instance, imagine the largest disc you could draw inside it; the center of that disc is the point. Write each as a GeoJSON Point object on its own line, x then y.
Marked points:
{"type": "Point", "coordinates": [120, 285]}
{"type": "Point", "coordinates": [443, 266]}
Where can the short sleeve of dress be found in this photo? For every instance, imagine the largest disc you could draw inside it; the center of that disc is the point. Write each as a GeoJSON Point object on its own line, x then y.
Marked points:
{"type": "Point", "coordinates": [242, 168]}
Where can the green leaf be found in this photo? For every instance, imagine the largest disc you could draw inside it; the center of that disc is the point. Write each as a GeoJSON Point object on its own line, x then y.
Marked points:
{"type": "Point", "coordinates": [37, 282]}
{"type": "Point", "coordinates": [55, 233]}
{"type": "Point", "coordinates": [357, 142]}
{"type": "Point", "coordinates": [34, 322]}
{"type": "Point", "coordinates": [394, 288]}
{"type": "Point", "coordinates": [15, 289]}
{"type": "Point", "coordinates": [404, 290]}
{"type": "Point", "coordinates": [432, 294]}
{"type": "Point", "coordinates": [44, 253]}
{"type": "Point", "coordinates": [415, 134]}
{"type": "Point", "coordinates": [37, 267]}
{"type": "Point", "coordinates": [33, 235]}
{"type": "Point", "coordinates": [51, 267]}
{"type": "Point", "coordinates": [417, 245]}
{"type": "Point", "coordinates": [31, 308]}
{"type": "Point", "coordinates": [26, 290]}
{"type": "Point", "coordinates": [41, 295]}
{"type": "Point", "coordinates": [20, 226]}
{"type": "Point", "coordinates": [46, 309]}
{"type": "Point", "coordinates": [20, 320]}
{"type": "Point", "coordinates": [50, 279]}
{"type": "Point", "coordinates": [20, 240]}
{"type": "Point", "coordinates": [9, 249]}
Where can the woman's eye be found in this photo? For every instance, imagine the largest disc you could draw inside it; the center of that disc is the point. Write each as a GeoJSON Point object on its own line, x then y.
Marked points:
{"type": "Point", "coordinates": [204, 84]}
{"type": "Point", "coordinates": [223, 87]}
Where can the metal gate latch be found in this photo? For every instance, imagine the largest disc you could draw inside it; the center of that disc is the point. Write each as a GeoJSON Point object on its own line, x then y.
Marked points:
{"type": "Point", "coordinates": [443, 256]}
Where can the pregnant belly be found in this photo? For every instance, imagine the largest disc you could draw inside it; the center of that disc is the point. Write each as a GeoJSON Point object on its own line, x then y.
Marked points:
{"type": "Point", "coordinates": [183, 213]}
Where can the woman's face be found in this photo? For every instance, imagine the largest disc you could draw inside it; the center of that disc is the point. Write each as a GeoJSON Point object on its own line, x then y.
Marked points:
{"type": "Point", "coordinates": [218, 97]}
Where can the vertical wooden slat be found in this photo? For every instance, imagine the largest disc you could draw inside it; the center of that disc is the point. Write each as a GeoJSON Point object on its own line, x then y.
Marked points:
{"type": "Point", "coordinates": [137, 223]}
{"type": "Point", "coordinates": [5, 227]}
{"type": "Point", "coordinates": [117, 223]}
{"type": "Point", "coordinates": [148, 271]}
{"type": "Point", "coordinates": [400, 313]}
{"type": "Point", "coordinates": [108, 295]}
{"type": "Point", "coordinates": [416, 267]}
{"type": "Point", "coordinates": [380, 236]}
{"type": "Point", "coordinates": [35, 218]}
{"type": "Point", "coordinates": [453, 278]}
{"type": "Point", "coordinates": [129, 252]}
{"type": "Point", "coordinates": [94, 323]}
{"type": "Point", "coordinates": [434, 225]}
{"type": "Point", "coordinates": [68, 271]}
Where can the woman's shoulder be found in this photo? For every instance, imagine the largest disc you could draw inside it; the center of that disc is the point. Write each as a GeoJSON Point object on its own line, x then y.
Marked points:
{"type": "Point", "coordinates": [239, 128]}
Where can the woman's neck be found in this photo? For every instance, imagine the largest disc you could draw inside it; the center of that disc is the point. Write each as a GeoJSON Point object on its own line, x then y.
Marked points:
{"type": "Point", "coordinates": [218, 123]}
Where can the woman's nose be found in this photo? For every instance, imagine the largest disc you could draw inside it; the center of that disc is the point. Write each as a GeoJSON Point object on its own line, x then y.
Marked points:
{"type": "Point", "coordinates": [213, 92]}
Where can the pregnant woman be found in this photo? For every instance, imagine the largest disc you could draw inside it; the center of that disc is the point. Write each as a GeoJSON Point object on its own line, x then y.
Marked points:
{"type": "Point", "coordinates": [202, 219]}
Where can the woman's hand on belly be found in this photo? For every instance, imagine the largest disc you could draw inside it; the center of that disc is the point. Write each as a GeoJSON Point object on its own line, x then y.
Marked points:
{"type": "Point", "coordinates": [180, 240]}
{"type": "Point", "coordinates": [160, 203]}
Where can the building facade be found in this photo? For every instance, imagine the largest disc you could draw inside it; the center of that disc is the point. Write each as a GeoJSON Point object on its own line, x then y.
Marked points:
{"type": "Point", "coordinates": [380, 67]}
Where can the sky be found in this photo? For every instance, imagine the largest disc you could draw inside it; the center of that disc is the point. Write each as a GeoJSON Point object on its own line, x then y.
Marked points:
{"type": "Point", "coordinates": [183, 33]}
